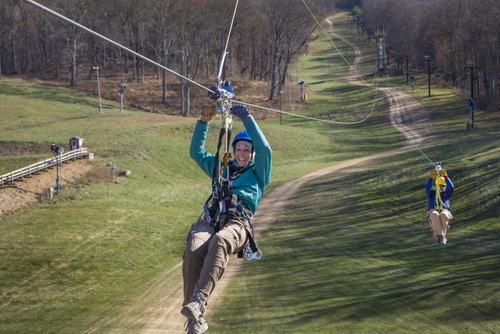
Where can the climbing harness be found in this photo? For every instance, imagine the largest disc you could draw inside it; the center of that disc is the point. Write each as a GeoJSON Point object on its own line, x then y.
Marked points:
{"type": "Point", "coordinates": [222, 205]}
{"type": "Point", "coordinates": [439, 201]}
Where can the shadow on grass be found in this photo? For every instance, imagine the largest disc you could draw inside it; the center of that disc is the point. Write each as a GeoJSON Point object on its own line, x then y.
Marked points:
{"type": "Point", "coordinates": [357, 248]}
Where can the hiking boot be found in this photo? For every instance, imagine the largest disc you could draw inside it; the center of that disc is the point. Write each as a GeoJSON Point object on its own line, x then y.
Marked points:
{"type": "Point", "coordinates": [196, 327]}
{"type": "Point", "coordinates": [443, 240]}
{"type": "Point", "coordinates": [195, 308]}
{"type": "Point", "coordinates": [439, 239]}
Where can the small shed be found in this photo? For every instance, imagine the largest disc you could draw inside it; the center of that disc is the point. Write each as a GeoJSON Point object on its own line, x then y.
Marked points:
{"type": "Point", "coordinates": [75, 143]}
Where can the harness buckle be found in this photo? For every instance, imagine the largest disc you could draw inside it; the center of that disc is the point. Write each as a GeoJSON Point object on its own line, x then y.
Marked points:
{"type": "Point", "coordinates": [249, 255]}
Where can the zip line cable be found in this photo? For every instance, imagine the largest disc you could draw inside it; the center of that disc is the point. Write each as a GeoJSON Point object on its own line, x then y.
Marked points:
{"type": "Point", "coordinates": [331, 41]}
{"type": "Point", "coordinates": [424, 154]}
{"type": "Point", "coordinates": [50, 11]}
{"type": "Point", "coordinates": [318, 119]}
{"type": "Point", "coordinates": [390, 84]}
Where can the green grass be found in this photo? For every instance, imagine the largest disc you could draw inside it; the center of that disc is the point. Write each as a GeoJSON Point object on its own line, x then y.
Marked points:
{"type": "Point", "coordinates": [67, 264]}
{"type": "Point", "coordinates": [352, 254]}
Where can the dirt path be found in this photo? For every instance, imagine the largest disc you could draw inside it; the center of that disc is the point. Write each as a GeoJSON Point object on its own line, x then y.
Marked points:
{"type": "Point", "coordinates": [23, 193]}
{"type": "Point", "coordinates": [157, 311]}
{"type": "Point", "coordinates": [407, 115]}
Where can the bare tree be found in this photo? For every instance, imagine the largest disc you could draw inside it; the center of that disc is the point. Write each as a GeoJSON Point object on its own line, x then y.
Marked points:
{"type": "Point", "coordinates": [77, 11]}
{"type": "Point", "coordinates": [161, 27]}
{"type": "Point", "coordinates": [291, 25]}
{"type": "Point", "coordinates": [189, 41]}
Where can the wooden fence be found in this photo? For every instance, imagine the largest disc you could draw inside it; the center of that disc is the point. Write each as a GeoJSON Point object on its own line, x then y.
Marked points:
{"type": "Point", "coordinates": [43, 165]}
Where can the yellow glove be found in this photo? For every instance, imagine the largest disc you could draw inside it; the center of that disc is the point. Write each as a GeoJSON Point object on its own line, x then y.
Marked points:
{"type": "Point", "coordinates": [207, 112]}
{"type": "Point", "coordinates": [433, 173]}
{"type": "Point", "coordinates": [442, 172]}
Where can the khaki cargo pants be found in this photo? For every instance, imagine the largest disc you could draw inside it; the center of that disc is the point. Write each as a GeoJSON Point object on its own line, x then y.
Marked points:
{"type": "Point", "coordinates": [207, 253]}
{"type": "Point", "coordinates": [439, 219]}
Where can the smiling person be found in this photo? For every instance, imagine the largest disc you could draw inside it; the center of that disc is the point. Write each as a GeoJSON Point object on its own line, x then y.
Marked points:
{"type": "Point", "coordinates": [224, 228]}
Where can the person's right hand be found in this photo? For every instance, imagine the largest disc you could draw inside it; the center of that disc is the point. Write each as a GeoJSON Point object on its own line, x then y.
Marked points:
{"type": "Point", "coordinates": [240, 111]}
{"type": "Point", "coordinates": [207, 112]}
{"type": "Point", "coordinates": [433, 173]}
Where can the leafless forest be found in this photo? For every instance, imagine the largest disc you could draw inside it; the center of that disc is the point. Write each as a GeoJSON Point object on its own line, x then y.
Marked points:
{"type": "Point", "coordinates": [187, 36]}
{"type": "Point", "coordinates": [461, 39]}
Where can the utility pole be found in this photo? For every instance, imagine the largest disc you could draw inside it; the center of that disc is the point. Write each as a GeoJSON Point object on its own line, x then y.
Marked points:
{"type": "Point", "coordinates": [472, 104]}
{"type": "Point", "coordinates": [428, 60]}
{"type": "Point", "coordinates": [98, 89]}
{"type": "Point", "coordinates": [469, 65]}
{"type": "Point", "coordinates": [280, 90]}
{"type": "Point", "coordinates": [301, 84]}
{"type": "Point", "coordinates": [57, 151]}
{"type": "Point", "coordinates": [121, 89]}
{"type": "Point", "coordinates": [289, 97]}
{"type": "Point", "coordinates": [382, 52]}
{"type": "Point", "coordinates": [298, 58]}
{"type": "Point", "coordinates": [407, 80]}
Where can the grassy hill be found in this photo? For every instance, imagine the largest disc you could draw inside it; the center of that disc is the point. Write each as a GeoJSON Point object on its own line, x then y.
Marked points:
{"type": "Point", "coordinates": [353, 253]}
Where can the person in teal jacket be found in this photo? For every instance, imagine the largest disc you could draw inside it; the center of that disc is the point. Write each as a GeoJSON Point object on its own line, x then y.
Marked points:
{"type": "Point", "coordinates": [224, 228]}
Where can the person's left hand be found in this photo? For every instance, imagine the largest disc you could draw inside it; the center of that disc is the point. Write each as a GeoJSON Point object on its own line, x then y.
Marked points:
{"type": "Point", "coordinates": [442, 172]}
{"type": "Point", "coordinates": [240, 111]}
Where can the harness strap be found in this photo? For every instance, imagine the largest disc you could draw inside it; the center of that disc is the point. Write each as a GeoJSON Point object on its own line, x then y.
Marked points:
{"type": "Point", "coordinates": [222, 199]}
{"type": "Point", "coordinates": [439, 201]}
{"type": "Point", "coordinates": [251, 251]}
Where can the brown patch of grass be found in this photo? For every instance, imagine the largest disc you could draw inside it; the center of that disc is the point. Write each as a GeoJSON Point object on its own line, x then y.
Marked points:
{"type": "Point", "coordinates": [13, 149]}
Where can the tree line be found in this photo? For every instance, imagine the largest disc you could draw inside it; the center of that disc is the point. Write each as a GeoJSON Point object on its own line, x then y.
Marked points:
{"type": "Point", "coordinates": [187, 36]}
{"type": "Point", "coordinates": [460, 37]}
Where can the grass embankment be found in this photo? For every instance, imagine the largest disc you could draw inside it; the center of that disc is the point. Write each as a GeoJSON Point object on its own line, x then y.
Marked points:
{"type": "Point", "coordinates": [67, 264]}
{"type": "Point", "coordinates": [354, 253]}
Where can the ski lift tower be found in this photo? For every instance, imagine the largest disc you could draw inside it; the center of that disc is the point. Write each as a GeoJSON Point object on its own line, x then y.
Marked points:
{"type": "Point", "coordinates": [380, 37]}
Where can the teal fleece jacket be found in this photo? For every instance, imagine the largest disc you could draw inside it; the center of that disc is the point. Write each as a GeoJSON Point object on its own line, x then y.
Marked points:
{"type": "Point", "coordinates": [250, 185]}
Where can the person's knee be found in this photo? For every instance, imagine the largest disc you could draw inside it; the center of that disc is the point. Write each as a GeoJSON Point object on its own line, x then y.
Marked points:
{"type": "Point", "coordinates": [433, 215]}
{"type": "Point", "coordinates": [222, 240]}
{"type": "Point", "coordinates": [192, 254]}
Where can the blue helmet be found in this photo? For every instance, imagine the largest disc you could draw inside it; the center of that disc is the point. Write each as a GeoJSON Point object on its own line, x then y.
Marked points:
{"type": "Point", "coordinates": [243, 135]}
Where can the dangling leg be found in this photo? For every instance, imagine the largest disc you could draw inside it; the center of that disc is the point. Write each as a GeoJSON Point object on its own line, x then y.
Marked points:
{"type": "Point", "coordinates": [227, 241]}
{"type": "Point", "coordinates": [194, 255]}
{"type": "Point", "coordinates": [435, 224]}
{"type": "Point", "coordinates": [444, 218]}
